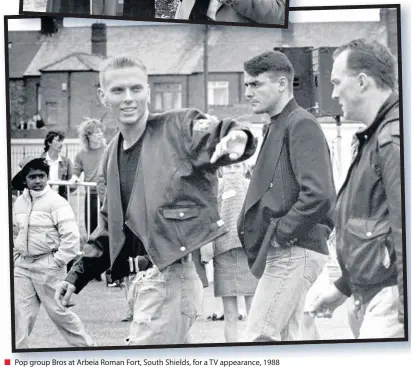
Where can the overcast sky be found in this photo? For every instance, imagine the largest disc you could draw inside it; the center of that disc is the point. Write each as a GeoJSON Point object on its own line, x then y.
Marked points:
{"type": "Point", "coordinates": [338, 15]}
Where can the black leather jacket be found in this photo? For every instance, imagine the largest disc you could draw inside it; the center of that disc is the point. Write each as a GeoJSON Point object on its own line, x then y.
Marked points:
{"type": "Point", "coordinates": [368, 213]}
{"type": "Point", "coordinates": [173, 206]}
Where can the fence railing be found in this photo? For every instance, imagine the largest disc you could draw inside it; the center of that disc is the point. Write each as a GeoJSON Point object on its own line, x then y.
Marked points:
{"type": "Point", "coordinates": [21, 148]}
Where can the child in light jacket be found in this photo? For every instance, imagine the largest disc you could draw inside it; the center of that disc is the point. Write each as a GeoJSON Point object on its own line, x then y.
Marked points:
{"type": "Point", "coordinates": [47, 239]}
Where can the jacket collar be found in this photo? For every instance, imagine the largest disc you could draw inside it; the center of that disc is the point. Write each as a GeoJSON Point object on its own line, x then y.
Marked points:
{"type": "Point", "coordinates": [290, 106]}
{"type": "Point", "coordinates": [27, 194]}
{"type": "Point", "coordinates": [382, 115]}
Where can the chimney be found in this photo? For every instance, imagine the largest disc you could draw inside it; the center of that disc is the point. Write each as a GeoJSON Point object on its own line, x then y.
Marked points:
{"type": "Point", "coordinates": [50, 25]}
{"type": "Point", "coordinates": [99, 39]}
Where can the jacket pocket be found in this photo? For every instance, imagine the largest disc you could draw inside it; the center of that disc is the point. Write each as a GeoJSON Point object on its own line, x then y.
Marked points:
{"type": "Point", "coordinates": [366, 251]}
{"type": "Point", "coordinates": [184, 220]}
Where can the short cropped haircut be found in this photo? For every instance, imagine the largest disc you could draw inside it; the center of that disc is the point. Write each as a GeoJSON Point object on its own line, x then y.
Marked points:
{"type": "Point", "coordinates": [36, 164]}
{"type": "Point", "coordinates": [87, 128]}
{"type": "Point", "coordinates": [50, 137]}
{"type": "Point", "coordinates": [120, 62]}
{"type": "Point", "coordinates": [273, 62]}
{"type": "Point", "coordinates": [371, 58]}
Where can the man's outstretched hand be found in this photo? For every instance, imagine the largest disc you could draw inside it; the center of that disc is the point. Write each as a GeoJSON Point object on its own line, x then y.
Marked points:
{"type": "Point", "coordinates": [233, 144]}
{"type": "Point", "coordinates": [327, 302]}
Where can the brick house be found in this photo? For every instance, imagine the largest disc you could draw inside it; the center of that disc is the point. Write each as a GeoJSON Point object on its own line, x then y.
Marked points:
{"type": "Point", "coordinates": [22, 48]}
{"type": "Point", "coordinates": [61, 77]}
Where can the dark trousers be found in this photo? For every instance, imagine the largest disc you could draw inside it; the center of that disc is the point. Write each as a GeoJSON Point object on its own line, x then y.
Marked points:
{"type": "Point", "coordinates": [139, 8]}
{"type": "Point", "coordinates": [199, 11]}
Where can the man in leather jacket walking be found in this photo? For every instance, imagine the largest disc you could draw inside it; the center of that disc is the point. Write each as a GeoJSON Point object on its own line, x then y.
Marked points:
{"type": "Point", "coordinates": [368, 213]}
{"type": "Point", "coordinates": [160, 204]}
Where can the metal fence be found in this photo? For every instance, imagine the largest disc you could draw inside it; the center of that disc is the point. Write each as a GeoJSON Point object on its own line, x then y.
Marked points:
{"type": "Point", "coordinates": [20, 148]}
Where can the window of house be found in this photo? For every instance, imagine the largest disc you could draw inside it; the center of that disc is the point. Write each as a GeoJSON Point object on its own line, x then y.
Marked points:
{"type": "Point", "coordinates": [218, 93]}
{"type": "Point", "coordinates": [167, 96]}
{"type": "Point", "coordinates": [296, 82]}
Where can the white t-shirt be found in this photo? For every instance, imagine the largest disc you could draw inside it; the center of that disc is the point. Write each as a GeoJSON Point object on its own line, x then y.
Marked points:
{"type": "Point", "coordinates": [54, 170]}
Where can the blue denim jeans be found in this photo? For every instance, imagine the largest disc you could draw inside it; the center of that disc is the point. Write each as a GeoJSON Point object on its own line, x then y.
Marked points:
{"type": "Point", "coordinates": [166, 304]}
{"type": "Point", "coordinates": [34, 285]}
{"type": "Point", "coordinates": [277, 307]}
{"type": "Point", "coordinates": [378, 318]}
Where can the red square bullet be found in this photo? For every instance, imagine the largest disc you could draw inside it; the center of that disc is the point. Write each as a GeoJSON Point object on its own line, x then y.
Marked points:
{"type": "Point", "coordinates": [7, 362]}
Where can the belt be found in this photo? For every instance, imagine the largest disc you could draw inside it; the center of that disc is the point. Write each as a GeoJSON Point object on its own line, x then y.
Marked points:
{"type": "Point", "coordinates": [184, 259]}
{"type": "Point", "coordinates": [142, 263]}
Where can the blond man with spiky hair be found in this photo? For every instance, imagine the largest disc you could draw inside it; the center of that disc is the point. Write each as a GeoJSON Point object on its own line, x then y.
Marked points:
{"type": "Point", "coordinates": [160, 174]}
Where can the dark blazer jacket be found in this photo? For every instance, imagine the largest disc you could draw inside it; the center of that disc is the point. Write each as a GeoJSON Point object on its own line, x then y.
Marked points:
{"type": "Point", "coordinates": [291, 193]}
{"type": "Point", "coordinates": [65, 174]}
{"type": "Point", "coordinates": [173, 206]}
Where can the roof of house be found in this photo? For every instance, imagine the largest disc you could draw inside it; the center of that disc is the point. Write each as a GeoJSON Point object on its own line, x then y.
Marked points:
{"type": "Point", "coordinates": [23, 46]}
{"type": "Point", "coordinates": [178, 49]}
{"type": "Point", "coordinates": [174, 51]}
{"type": "Point", "coordinates": [75, 62]}
{"type": "Point", "coordinates": [231, 46]}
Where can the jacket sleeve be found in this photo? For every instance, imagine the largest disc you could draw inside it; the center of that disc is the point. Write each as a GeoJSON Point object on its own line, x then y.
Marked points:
{"type": "Point", "coordinates": [78, 165]}
{"type": "Point", "coordinates": [390, 168]}
{"type": "Point", "coordinates": [201, 136]}
{"type": "Point", "coordinates": [261, 11]}
{"type": "Point", "coordinates": [95, 258]}
{"type": "Point", "coordinates": [65, 221]}
{"type": "Point", "coordinates": [69, 175]}
{"type": "Point", "coordinates": [101, 182]}
{"type": "Point", "coordinates": [312, 167]}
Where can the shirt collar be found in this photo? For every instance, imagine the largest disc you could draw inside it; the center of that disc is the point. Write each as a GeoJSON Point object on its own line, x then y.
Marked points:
{"type": "Point", "coordinates": [59, 158]}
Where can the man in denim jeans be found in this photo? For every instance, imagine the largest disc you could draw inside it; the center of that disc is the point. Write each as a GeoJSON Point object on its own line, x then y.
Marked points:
{"type": "Point", "coordinates": [160, 176]}
{"type": "Point", "coordinates": [369, 204]}
{"type": "Point", "coordinates": [285, 220]}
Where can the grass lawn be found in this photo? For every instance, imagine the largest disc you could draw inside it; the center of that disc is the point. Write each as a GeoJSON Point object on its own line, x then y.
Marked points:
{"type": "Point", "coordinates": [101, 310]}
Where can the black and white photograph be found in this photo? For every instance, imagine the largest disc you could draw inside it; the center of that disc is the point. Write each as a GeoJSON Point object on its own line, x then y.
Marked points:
{"type": "Point", "coordinates": [178, 185]}
{"type": "Point", "coordinates": [252, 12]}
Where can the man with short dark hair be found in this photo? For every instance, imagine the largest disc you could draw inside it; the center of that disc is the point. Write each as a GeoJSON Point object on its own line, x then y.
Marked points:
{"type": "Point", "coordinates": [160, 204]}
{"type": "Point", "coordinates": [285, 221]}
{"type": "Point", "coordinates": [369, 204]}
{"type": "Point", "coordinates": [61, 168]}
